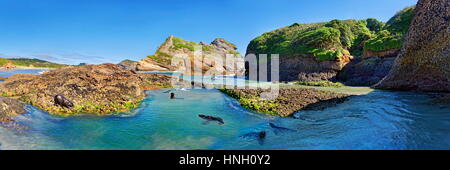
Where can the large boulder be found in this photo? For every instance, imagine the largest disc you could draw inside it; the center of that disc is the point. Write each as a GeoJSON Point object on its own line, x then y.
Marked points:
{"type": "Point", "coordinates": [97, 89]}
{"type": "Point", "coordinates": [10, 108]}
{"type": "Point", "coordinates": [423, 63]}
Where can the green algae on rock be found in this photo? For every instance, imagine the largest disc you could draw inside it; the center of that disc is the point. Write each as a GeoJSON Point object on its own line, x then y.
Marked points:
{"type": "Point", "coordinates": [423, 63]}
{"type": "Point", "coordinates": [289, 100]}
{"type": "Point", "coordinates": [94, 89]}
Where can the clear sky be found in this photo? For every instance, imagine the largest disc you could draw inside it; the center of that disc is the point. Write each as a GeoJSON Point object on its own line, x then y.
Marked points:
{"type": "Point", "coordinates": [97, 31]}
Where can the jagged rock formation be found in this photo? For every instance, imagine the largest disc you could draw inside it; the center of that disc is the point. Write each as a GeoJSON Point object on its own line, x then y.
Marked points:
{"type": "Point", "coordinates": [10, 108]}
{"type": "Point", "coordinates": [96, 89]}
{"type": "Point", "coordinates": [211, 60]}
{"type": "Point", "coordinates": [424, 61]}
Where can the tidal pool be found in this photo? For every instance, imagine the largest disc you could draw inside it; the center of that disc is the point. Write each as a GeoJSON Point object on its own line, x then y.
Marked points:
{"type": "Point", "coordinates": [376, 120]}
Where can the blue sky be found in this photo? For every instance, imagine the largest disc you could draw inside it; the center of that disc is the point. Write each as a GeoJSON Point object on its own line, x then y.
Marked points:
{"type": "Point", "coordinates": [97, 31]}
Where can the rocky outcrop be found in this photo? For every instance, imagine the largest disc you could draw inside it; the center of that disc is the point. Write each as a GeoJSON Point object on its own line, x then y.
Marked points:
{"type": "Point", "coordinates": [128, 65]}
{"type": "Point", "coordinates": [424, 61]}
{"type": "Point", "coordinates": [365, 71]}
{"type": "Point", "coordinates": [289, 100]}
{"type": "Point", "coordinates": [96, 89]}
{"type": "Point", "coordinates": [10, 108]}
{"type": "Point", "coordinates": [203, 58]}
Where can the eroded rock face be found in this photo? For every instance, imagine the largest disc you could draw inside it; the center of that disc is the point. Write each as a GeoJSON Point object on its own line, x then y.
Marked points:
{"type": "Point", "coordinates": [309, 69]}
{"type": "Point", "coordinates": [366, 71]}
{"type": "Point", "coordinates": [97, 89]}
{"type": "Point", "coordinates": [424, 61]}
{"type": "Point", "coordinates": [211, 60]}
{"type": "Point", "coordinates": [10, 108]}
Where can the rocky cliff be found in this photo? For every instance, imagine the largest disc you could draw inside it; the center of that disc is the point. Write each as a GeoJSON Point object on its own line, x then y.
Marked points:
{"type": "Point", "coordinates": [379, 51]}
{"type": "Point", "coordinates": [365, 71]}
{"type": "Point", "coordinates": [424, 61]}
{"type": "Point", "coordinates": [96, 89]}
{"type": "Point", "coordinates": [315, 51]}
{"type": "Point", "coordinates": [209, 58]}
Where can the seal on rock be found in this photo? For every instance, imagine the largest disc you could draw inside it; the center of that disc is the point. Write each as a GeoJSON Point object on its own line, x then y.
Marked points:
{"type": "Point", "coordinates": [62, 101]}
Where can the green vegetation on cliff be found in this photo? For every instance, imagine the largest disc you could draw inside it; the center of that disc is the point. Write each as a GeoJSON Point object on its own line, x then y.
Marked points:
{"type": "Point", "coordinates": [392, 34]}
{"type": "Point", "coordinates": [328, 40]}
{"type": "Point", "coordinates": [324, 41]}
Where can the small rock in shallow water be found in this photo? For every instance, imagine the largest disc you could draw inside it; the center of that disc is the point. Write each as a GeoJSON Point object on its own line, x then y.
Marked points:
{"type": "Point", "coordinates": [10, 108]}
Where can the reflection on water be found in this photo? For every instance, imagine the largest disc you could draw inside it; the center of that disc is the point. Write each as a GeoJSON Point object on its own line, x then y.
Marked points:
{"type": "Point", "coordinates": [378, 120]}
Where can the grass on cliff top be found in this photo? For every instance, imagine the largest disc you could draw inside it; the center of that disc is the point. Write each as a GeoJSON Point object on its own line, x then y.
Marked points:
{"type": "Point", "coordinates": [392, 34]}
{"type": "Point", "coordinates": [325, 41]}
{"type": "Point", "coordinates": [179, 43]}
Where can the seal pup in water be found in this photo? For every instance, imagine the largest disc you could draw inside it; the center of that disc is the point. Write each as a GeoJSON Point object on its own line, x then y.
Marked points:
{"type": "Point", "coordinates": [62, 101]}
{"type": "Point", "coordinates": [212, 118]}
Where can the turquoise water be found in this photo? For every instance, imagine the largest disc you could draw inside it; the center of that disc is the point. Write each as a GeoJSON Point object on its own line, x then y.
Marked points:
{"type": "Point", "coordinates": [378, 120]}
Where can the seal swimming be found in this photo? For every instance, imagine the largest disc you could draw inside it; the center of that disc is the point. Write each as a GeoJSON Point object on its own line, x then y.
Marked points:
{"type": "Point", "coordinates": [62, 101]}
{"type": "Point", "coordinates": [212, 118]}
{"type": "Point", "coordinates": [278, 129]}
{"type": "Point", "coordinates": [260, 136]}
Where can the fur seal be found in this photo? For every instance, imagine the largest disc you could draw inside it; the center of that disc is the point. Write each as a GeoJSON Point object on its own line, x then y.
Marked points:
{"type": "Point", "coordinates": [62, 101]}
{"type": "Point", "coordinates": [212, 118]}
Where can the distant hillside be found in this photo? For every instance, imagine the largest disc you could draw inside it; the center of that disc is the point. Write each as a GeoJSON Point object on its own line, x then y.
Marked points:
{"type": "Point", "coordinates": [26, 62]}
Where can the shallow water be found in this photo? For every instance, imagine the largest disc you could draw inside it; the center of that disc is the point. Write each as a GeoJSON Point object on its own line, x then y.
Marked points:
{"type": "Point", "coordinates": [378, 120]}
{"type": "Point", "coordinates": [4, 73]}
